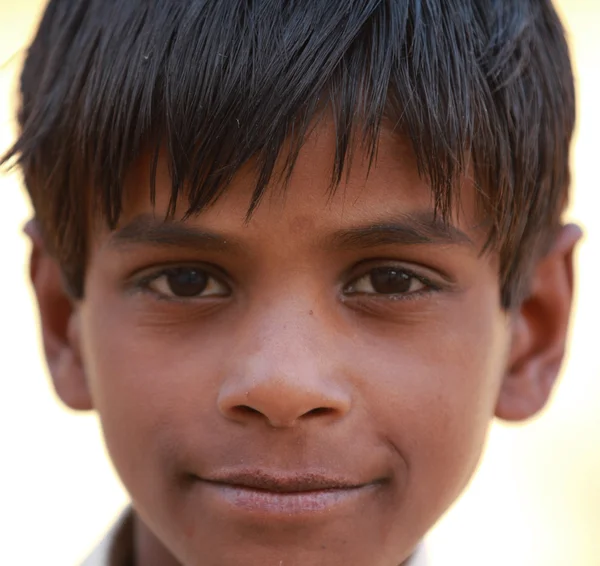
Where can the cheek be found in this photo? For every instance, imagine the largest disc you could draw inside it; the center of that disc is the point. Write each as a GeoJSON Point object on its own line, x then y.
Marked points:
{"type": "Point", "coordinates": [151, 386]}
{"type": "Point", "coordinates": [433, 394]}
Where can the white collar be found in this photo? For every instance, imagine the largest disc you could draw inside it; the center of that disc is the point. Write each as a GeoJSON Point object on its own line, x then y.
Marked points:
{"type": "Point", "coordinates": [419, 558]}
{"type": "Point", "coordinates": [115, 549]}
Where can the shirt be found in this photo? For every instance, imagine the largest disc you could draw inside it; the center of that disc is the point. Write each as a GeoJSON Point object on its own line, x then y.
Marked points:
{"type": "Point", "coordinates": [117, 547]}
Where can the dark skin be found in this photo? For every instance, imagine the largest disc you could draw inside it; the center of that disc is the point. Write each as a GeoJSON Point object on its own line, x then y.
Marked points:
{"type": "Point", "coordinates": [311, 387]}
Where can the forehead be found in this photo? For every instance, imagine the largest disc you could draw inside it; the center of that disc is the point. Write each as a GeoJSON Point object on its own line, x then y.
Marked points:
{"type": "Point", "coordinates": [308, 201]}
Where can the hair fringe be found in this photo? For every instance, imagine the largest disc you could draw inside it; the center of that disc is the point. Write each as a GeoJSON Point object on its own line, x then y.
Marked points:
{"type": "Point", "coordinates": [484, 85]}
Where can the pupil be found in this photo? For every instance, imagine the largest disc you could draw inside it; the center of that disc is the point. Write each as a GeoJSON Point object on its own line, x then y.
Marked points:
{"type": "Point", "coordinates": [187, 282]}
{"type": "Point", "coordinates": [390, 281]}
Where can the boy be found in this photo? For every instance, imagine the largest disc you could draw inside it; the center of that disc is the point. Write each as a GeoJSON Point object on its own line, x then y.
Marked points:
{"type": "Point", "coordinates": [297, 255]}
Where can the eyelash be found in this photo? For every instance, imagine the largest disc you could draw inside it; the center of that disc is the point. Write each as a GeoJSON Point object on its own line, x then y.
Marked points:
{"type": "Point", "coordinates": [143, 284]}
{"type": "Point", "coordinates": [430, 286]}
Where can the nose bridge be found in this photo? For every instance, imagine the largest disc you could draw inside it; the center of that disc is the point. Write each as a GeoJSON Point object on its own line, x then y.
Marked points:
{"type": "Point", "coordinates": [287, 333]}
{"type": "Point", "coordinates": [290, 328]}
{"type": "Point", "coordinates": [283, 369]}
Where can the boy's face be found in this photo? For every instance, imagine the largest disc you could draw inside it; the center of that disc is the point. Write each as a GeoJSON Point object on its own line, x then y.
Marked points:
{"type": "Point", "coordinates": [313, 386]}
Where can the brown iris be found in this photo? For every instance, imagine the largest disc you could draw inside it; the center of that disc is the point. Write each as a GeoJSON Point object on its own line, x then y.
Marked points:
{"type": "Point", "coordinates": [389, 281]}
{"type": "Point", "coordinates": [187, 282]}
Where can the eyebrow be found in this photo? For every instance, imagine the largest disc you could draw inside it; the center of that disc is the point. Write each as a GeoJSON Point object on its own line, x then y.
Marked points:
{"type": "Point", "coordinates": [147, 230]}
{"type": "Point", "coordinates": [409, 229]}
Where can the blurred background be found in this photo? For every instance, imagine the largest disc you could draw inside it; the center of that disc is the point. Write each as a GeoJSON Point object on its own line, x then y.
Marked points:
{"type": "Point", "coordinates": [535, 500]}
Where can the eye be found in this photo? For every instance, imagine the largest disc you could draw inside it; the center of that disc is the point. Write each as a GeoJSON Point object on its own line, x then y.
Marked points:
{"type": "Point", "coordinates": [186, 283]}
{"type": "Point", "coordinates": [388, 281]}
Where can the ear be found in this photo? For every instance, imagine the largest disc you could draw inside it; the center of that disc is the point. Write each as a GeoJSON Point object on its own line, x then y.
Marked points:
{"type": "Point", "coordinates": [59, 321]}
{"type": "Point", "coordinates": [539, 333]}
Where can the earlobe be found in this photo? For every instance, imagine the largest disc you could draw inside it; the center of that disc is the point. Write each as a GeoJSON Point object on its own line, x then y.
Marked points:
{"type": "Point", "coordinates": [59, 321]}
{"type": "Point", "coordinates": [539, 334]}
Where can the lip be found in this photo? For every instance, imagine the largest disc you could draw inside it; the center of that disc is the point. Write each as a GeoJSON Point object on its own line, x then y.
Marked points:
{"type": "Point", "coordinates": [279, 482]}
{"type": "Point", "coordinates": [275, 494]}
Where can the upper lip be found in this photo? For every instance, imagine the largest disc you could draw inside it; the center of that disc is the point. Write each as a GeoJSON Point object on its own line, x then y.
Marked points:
{"type": "Point", "coordinates": [283, 482]}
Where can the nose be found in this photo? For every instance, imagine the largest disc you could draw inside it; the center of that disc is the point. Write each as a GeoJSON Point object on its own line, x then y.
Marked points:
{"type": "Point", "coordinates": [283, 381]}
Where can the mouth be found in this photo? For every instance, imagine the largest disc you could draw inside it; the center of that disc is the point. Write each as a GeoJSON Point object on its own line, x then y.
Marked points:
{"type": "Point", "coordinates": [284, 495]}
{"type": "Point", "coordinates": [260, 480]}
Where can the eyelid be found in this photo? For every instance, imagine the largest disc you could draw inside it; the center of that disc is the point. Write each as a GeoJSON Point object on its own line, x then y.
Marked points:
{"type": "Point", "coordinates": [430, 277]}
{"type": "Point", "coordinates": [142, 278]}
{"type": "Point", "coordinates": [164, 267]}
{"type": "Point", "coordinates": [429, 287]}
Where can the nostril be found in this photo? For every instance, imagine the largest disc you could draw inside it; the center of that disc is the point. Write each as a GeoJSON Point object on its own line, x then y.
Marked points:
{"type": "Point", "coordinates": [245, 410]}
{"type": "Point", "coordinates": [319, 412]}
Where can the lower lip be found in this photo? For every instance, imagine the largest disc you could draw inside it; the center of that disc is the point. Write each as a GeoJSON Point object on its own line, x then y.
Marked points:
{"type": "Point", "coordinates": [286, 504]}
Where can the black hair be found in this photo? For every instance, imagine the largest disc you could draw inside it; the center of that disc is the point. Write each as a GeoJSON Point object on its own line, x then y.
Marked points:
{"type": "Point", "coordinates": [480, 84]}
